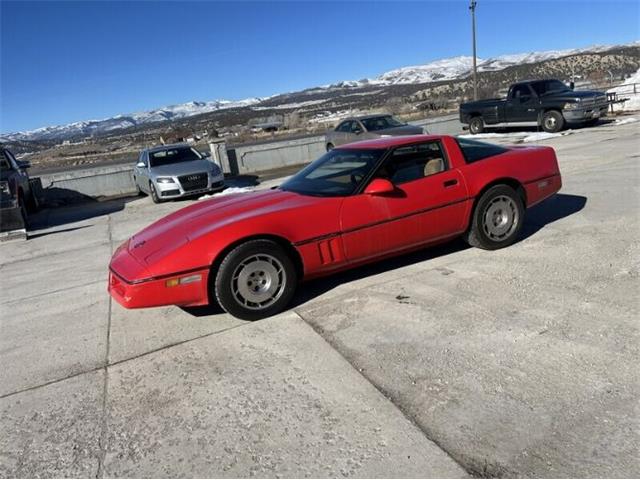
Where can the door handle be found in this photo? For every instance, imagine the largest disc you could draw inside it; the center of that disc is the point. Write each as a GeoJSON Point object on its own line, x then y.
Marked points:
{"type": "Point", "coordinates": [450, 183]}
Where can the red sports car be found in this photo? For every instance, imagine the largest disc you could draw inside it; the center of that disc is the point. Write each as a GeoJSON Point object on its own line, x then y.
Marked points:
{"type": "Point", "coordinates": [356, 204]}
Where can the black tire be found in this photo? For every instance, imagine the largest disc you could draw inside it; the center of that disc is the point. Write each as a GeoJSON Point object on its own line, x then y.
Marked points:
{"type": "Point", "coordinates": [330, 147]}
{"type": "Point", "coordinates": [154, 194]}
{"type": "Point", "coordinates": [496, 219]}
{"type": "Point", "coordinates": [259, 263]}
{"type": "Point", "coordinates": [476, 125]}
{"type": "Point", "coordinates": [552, 121]}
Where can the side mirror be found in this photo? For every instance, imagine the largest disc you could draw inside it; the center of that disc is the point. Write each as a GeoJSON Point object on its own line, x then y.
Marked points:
{"type": "Point", "coordinates": [140, 165]}
{"type": "Point", "coordinates": [23, 164]}
{"type": "Point", "coordinates": [205, 154]}
{"type": "Point", "coordinates": [357, 131]}
{"type": "Point", "coordinates": [379, 186]}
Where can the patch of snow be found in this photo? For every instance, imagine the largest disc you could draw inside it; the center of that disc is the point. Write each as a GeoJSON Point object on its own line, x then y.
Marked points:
{"type": "Point", "coordinates": [227, 191]}
{"type": "Point", "coordinates": [536, 137]}
{"type": "Point", "coordinates": [494, 135]}
{"type": "Point", "coordinates": [626, 120]}
{"type": "Point", "coordinates": [630, 91]}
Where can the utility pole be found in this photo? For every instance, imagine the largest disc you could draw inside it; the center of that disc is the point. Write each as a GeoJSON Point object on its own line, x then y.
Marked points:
{"type": "Point", "coordinates": [472, 7]}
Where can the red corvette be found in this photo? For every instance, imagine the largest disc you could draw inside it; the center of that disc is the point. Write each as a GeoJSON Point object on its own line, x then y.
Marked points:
{"type": "Point", "coordinates": [358, 203]}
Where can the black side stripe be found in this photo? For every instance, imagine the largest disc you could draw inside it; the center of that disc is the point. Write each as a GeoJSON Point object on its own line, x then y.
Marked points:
{"type": "Point", "coordinates": [374, 224]}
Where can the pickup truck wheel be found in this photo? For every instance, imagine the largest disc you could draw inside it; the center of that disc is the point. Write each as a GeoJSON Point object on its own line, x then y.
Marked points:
{"type": "Point", "coordinates": [497, 219]}
{"type": "Point", "coordinates": [552, 121]}
{"type": "Point", "coordinates": [255, 280]}
{"type": "Point", "coordinates": [154, 194]}
{"type": "Point", "coordinates": [476, 125]}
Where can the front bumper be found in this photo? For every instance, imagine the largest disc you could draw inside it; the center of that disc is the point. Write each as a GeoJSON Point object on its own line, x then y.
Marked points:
{"type": "Point", "coordinates": [585, 114]}
{"type": "Point", "coordinates": [132, 286]}
{"type": "Point", "coordinates": [176, 189]}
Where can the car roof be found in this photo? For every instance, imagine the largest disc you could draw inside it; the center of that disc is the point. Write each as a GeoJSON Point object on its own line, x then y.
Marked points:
{"type": "Point", "coordinates": [389, 142]}
{"type": "Point", "coordinates": [159, 148]}
{"type": "Point", "coordinates": [366, 117]}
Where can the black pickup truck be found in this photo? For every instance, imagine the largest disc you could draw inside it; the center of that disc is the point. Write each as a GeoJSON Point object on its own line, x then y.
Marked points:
{"type": "Point", "coordinates": [549, 104]}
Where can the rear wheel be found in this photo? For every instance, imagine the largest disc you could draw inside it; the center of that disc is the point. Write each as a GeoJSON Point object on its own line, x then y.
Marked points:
{"type": "Point", "coordinates": [497, 219]}
{"type": "Point", "coordinates": [552, 121]}
{"type": "Point", "coordinates": [154, 194]}
{"type": "Point", "coordinates": [476, 125]}
{"type": "Point", "coordinates": [255, 280]}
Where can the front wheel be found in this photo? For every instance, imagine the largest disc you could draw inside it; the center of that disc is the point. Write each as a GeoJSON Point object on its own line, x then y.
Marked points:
{"type": "Point", "coordinates": [552, 121]}
{"type": "Point", "coordinates": [154, 193]}
{"type": "Point", "coordinates": [476, 125]}
{"type": "Point", "coordinates": [255, 280]}
{"type": "Point", "coordinates": [497, 219]}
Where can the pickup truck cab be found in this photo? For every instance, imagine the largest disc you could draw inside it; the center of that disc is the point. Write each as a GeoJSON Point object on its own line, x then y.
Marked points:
{"type": "Point", "coordinates": [549, 104]}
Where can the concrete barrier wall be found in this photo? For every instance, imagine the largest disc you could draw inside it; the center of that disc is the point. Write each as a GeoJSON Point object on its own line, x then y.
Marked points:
{"type": "Point", "coordinates": [93, 182]}
{"type": "Point", "coordinates": [445, 125]}
{"type": "Point", "coordinates": [267, 156]}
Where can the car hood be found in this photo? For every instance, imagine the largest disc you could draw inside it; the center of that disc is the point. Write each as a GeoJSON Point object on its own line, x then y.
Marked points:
{"type": "Point", "coordinates": [208, 216]}
{"type": "Point", "coordinates": [402, 130]}
{"type": "Point", "coordinates": [571, 94]}
{"type": "Point", "coordinates": [182, 168]}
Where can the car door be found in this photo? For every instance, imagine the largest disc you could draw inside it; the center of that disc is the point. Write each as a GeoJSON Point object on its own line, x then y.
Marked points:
{"type": "Point", "coordinates": [141, 172]}
{"type": "Point", "coordinates": [427, 206]}
{"type": "Point", "coordinates": [341, 133]}
{"type": "Point", "coordinates": [523, 105]}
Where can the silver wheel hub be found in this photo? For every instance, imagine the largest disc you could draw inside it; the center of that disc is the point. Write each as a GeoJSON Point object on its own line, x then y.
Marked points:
{"type": "Point", "coordinates": [500, 218]}
{"type": "Point", "coordinates": [258, 281]}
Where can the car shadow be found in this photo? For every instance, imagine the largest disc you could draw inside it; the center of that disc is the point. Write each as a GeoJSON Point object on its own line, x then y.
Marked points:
{"type": "Point", "coordinates": [74, 208]}
{"type": "Point", "coordinates": [557, 207]}
{"type": "Point", "coordinates": [551, 210]}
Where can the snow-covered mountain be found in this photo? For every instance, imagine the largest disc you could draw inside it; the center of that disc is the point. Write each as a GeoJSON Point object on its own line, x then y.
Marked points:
{"type": "Point", "coordinates": [460, 67]}
{"type": "Point", "coordinates": [439, 70]}
{"type": "Point", "coordinates": [93, 127]}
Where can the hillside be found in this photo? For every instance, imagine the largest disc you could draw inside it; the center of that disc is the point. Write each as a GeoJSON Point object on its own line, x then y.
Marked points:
{"type": "Point", "coordinates": [408, 91]}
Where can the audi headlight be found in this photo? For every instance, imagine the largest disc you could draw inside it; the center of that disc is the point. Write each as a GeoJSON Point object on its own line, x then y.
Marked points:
{"type": "Point", "coordinates": [4, 188]}
{"type": "Point", "coordinates": [215, 169]}
{"type": "Point", "coordinates": [165, 180]}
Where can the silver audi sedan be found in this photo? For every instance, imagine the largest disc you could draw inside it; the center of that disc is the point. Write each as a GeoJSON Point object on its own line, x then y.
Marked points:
{"type": "Point", "coordinates": [174, 171]}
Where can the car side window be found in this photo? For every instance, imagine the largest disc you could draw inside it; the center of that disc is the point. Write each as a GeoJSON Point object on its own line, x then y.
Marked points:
{"type": "Point", "coordinates": [355, 127]}
{"type": "Point", "coordinates": [414, 162]}
{"type": "Point", "coordinates": [521, 91]}
{"type": "Point", "coordinates": [344, 127]}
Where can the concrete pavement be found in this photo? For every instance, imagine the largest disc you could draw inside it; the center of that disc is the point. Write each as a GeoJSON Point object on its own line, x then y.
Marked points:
{"type": "Point", "coordinates": [443, 363]}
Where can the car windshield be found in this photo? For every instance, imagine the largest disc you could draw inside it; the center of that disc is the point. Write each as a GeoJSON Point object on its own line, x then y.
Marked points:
{"type": "Point", "coordinates": [337, 173]}
{"type": "Point", "coordinates": [549, 86]}
{"type": "Point", "coordinates": [173, 155]}
{"type": "Point", "coordinates": [380, 123]}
